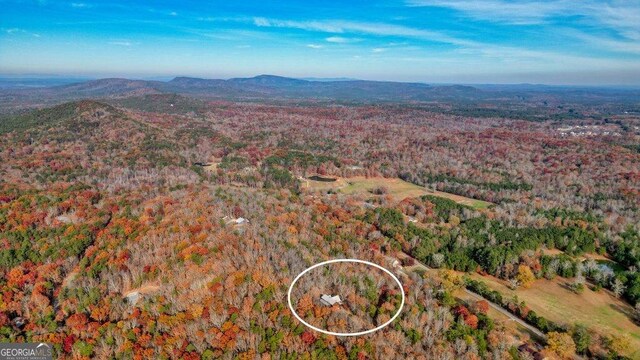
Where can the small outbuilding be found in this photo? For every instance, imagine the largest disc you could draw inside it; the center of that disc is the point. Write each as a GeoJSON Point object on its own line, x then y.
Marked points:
{"type": "Point", "coordinates": [329, 300]}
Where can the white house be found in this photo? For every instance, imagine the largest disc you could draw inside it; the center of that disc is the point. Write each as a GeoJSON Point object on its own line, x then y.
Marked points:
{"type": "Point", "coordinates": [329, 300]}
{"type": "Point", "coordinates": [238, 221]}
{"type": "Point", "coordinates": [133, 297]}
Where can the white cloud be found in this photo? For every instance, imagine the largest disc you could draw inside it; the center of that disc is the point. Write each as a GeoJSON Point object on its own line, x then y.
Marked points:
{"type": "Point", "coordinates": [80, 5]}
{"type": "Point", "coordinates": [626, 19]}
{"type": "Point", "coordinates": [620, 15]}
{"type": "Point", "coordinates": [173, 13]}
{"type": "Point", "coordinates": [601, 42]}
{"type": "Point", "coordinates": [377, 29]}
{"type": "Point", "coordinates": [315, 46]}
{"type": "Point", "coordinates": [16, 31]}
{"type": "Point", "coordinates": [338, 40]}
{"type": "Point", "coordinates": [514, 54]}
{"type": "Point", "coordinates": [303, 25]}
{"type": "Point", "coordinates": [261, 22]}
{"type": "Point", "coordinates": [517, 11]}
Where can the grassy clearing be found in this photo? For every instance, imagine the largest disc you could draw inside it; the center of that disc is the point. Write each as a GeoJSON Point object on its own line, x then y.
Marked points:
{"type": "Point", "coordinates": [553, 300]}
{"type": "Point", "coordinates": [397, 188]}
{"type": "Point", "coordinates": [600, 259]}
{"type": "Point", "coordinates": [476, 204]}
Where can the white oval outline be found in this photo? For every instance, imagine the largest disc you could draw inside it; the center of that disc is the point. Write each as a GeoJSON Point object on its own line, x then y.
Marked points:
{"type": "Point", "coordinates": [339, 261]}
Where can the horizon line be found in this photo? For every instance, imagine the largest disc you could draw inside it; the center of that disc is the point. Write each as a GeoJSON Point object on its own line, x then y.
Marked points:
{"type": "Point", "coordinates": [310, 78]}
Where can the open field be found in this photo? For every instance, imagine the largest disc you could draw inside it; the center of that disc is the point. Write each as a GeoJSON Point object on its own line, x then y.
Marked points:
{"type": "Point", "coordinates": [553, 300]}
{"type": "Point", "coordinates": [597, 257]}
{"type": "Point", "coordinates": [462, 200]}
{"type": "Point", "coordinates": [397, 188]}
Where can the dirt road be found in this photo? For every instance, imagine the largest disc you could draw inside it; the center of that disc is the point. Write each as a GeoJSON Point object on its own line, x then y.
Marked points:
{"type": "Point", "coordinates": [534, 330]}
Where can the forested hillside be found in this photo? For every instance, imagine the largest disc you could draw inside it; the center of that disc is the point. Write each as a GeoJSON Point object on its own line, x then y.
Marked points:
{"type": "Point", "coordinates": [158, 226]}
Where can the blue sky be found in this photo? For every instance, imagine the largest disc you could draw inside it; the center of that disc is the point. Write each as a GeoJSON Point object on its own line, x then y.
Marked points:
{"type": "Point", "coordinates": [457, 41]}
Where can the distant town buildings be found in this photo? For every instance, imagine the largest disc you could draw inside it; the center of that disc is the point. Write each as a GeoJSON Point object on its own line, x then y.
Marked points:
{"type": "Point", "coordinates": [589, 130]}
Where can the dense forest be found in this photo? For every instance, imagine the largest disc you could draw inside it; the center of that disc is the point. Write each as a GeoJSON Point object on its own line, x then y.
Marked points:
{"type": "Point", "coordinates": [128, 232]}
{"type": "Point", "coordinates": [367, 297]}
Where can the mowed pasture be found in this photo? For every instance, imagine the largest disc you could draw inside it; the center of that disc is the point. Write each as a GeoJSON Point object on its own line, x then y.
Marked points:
{"type": "Point", "coordinates": [552, 299]}
{"type": "Point", "coordinates": [398, 189]}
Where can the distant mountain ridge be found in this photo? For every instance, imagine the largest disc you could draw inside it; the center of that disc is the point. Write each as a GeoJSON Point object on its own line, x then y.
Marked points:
{"type": "Point", "coordinates": [27, 82]}
{"type": "Point", "coordinates": [272, 87]}
{"type": "Point", "coordinates": [109, 86]}
{"type": "Point", "coordinates": [321, 79]}
{"type": "Point", "coordinates": [261, 86]}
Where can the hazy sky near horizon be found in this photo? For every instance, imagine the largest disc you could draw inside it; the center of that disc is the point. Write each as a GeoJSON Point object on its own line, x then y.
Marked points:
{"type": "Point", "coordinates": [591, 42]}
